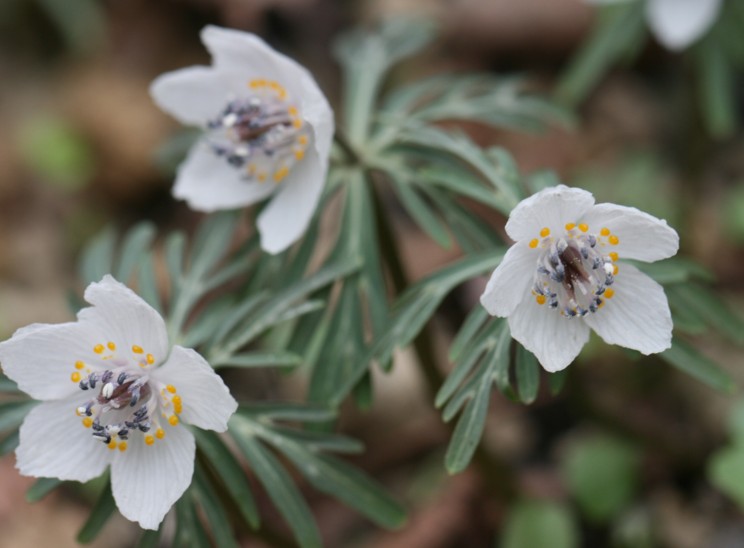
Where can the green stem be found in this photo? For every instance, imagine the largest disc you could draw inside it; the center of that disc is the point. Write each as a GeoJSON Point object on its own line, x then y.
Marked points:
{"type": "Point", "coordinates": [498, 475]}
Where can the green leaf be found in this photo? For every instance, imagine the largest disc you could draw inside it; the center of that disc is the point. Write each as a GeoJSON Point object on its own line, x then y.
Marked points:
{"type": "Point", "coordinates": [726, 472]}
{"type": "Point", "coordinates": [675, 270]}
{"type": "Point", "coordinates": [189, 530]}
{"type": "Point", "coordinates": [557, 380]}
{"type": "Point", "coordinates": [316, 440]}
{"type": "Point", "coordinates": [271, 312]}
{"type": "Point", "coordinates": [602, 473]}
{"type": "Point", "coordinates": [41, 488]}
{"type": "Point", "coordinates": [13, 413]}
{"type": "Point", "coordinates": [9, 443]}
{"type": "Point", "coordinates": [472, 233]}
{"type": "Point", "coordinates": [475, 320]}
{"type": "Point", "coordinates": [136, 244]}
{"type": "Point", "coordinates": [102, 511]}
{"type": "Point", "coordinates": [463, 367]}
{"type": "Point", "coordinates": [58, 155]}
{"type": "Point", "coordinates": [211, 242]}
{"type": "Point", "coordinates": [621, 30]}
{"type": "Point", "coordinates": [230, 472]}
{"type": "Point", "coordinates": [413, 310]}
{"type": "Point", "coordinates": [149, 539]}
{"type": "Point", "coordinates": [147, 282]}
{"type": "Point", "coordinates": [458, 180]}
{"type": "Point", "coordinates": [497, 101]}
{"type": "Point", "coordinates": [709, 307]}
{"type": "Point", "coordinates": [365, 58]}
{"type": "Point", "coordinates": [469, 429]}
{"type": "Point", "coordinates": [532, 524]}
{"type": "Point", "coordinates": [259, 359]}
{"type": "Point", "coordinates": [348, 484]}
{"type": "Point", "coordinates": [300, 412]}
{"type": "Point", "coordinates": [336, 361]}
{"type": "Point", "coordinates": [277, 483]}
{"type": "Point", "coordinates": [684, 357]}
{"type": "Point", "coordinates": [219, 524]}
{"type": "Point", "coordinates": [528, 375]}
{"type": "Point", "coordinates": [7, 386]}
{"type": "Point", "coordinates": [175, 254]}
{"type": "Point", "coordinates": [98, 257]}
{"type": "Point", "coordinates": [460, 147]}
{"type": "Point", "coordinates": [716, 81]}
{"type": "Point", "coordinates": [736, 422]}
{"type": "Point", "coordinates": [82, 23]}
{"type": "Point", "coordinates": [422, 213]}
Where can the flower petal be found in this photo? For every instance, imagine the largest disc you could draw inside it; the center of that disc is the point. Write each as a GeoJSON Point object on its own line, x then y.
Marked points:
{"type": "Point", "coordinates": [121, 316]}
{"type": "Point", "coordinates": [287, 215]}
{"type": "Point", "coordinates": [208, 183]}
{"type": "Point", "coordinates": [207, 402]}
{"type": "Point", "coordinates": [40, 358]}
{"type": "Point", "coordinates": [642, 236]}
{"type": "Point", "coordinates": [555, 340]}
{"type": "Point", "coordinates": [511, 280]}
{"type": "Point", "coordinates": [249, 55]}
{"type": "Point", "coordinates": [637, 316]}
{"type": "Point", "coordinates": [193, 95]}
{"type": "Point", "coordinates": [236, 50]}
{"type": "Point", "coordinates": [55, 444]}
{"type": "Point", "coordinates": [552, 208]}
{"type": "Point", "coordinates": [148, 479]}
{"type": "Point", "coordinates": [679, 23]}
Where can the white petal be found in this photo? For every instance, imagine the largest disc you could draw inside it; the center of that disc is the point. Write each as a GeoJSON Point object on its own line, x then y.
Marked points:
{"type": "Point", "coordinates": [247, 54]}
{"type": "Point", "coordinates": [552, 207]}
{"type": "Point", "coordinates": [553, 339]}
{"type": "Point", "coordinates": [236, 50]}
{"type": "Point", "coordinates": [207, 402]}
{"type": "Point", "coordinates": [121, 316]}
{"type": "Point", "coordinates": [642, 236]}
{"type": "Point", "coordinates": [55, 444]}
{"type": "Point", "coordinates": [511, 281]}
{"type": "Point", "coordinates": [208, 183]}
{"type": "Point", "coordinates": [637, 316]}
{"type": "Point", "coordinates": [147, 480]}
{"type": "Point", "coordinates": [41, 358]}
{"type": "Point", "coordinates": [193, 95]}
{"type": "Point", "coordinates": [287, 215]}
{"type": "Point", "coordinates": [679, 23]}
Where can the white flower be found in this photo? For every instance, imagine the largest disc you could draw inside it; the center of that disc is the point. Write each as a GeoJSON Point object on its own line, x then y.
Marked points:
{"type": "Point", "coordinates": [267, 131]}
{"type": "Point", "coordinates": [678, 23]}
{"type": "Point", "coordinates": [563, 276]}
{"type": "Point", "coordinates": [115, 393]}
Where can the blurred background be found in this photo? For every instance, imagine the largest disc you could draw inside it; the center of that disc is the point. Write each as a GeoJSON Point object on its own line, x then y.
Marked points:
{"type": "Point", "coordinates": [625, 448]}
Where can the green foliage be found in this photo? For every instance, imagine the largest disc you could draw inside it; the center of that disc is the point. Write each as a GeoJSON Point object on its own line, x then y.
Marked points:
{"type": "Point", "coordinates": [726, 465]}
{"type": "Point", "coordinates": [618, 35]}
{"type": "Point", "coordinates": [56, 153]}
{"type": "Point", "coordinates": [532, 523]}
{"type": "Point", "coordinates": [602, 474]}
{"type": "Point", "coordinates": [103, 509]}
{"type": "Point", "coordinates": [255, 428]}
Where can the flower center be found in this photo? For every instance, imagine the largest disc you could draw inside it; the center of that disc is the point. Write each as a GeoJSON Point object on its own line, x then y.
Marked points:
{"type": "Point", "coordinates": [261, 134]}
{"type": "Point", "coordinates": [129, 401]}
{"type": "Point", "coordinates": [574, 270]}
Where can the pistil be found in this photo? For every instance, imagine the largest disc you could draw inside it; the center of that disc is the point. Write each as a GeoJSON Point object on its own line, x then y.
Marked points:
{"type": "Point", "coordinates": [572, 273]}
{"type": "Point", "coordinates": [260, 134]}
